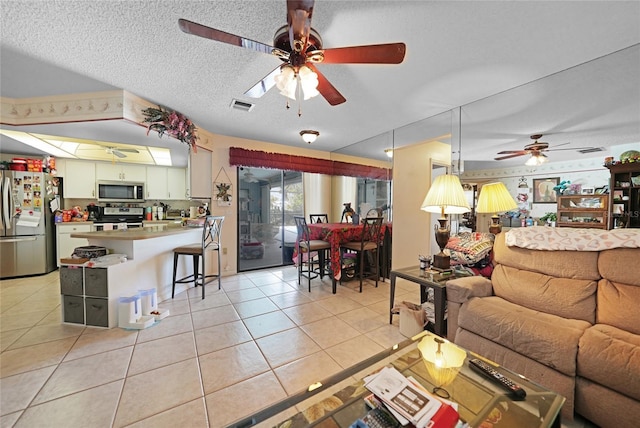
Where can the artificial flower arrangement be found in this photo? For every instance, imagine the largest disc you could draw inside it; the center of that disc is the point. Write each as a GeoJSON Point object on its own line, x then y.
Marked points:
{"type": "Point", "coordinates": [560, 188]}
{"type": "Point", "coordinates": [171, 122]}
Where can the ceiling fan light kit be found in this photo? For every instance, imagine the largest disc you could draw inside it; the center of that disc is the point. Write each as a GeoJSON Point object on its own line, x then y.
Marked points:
{"type": "Point", "coordinates": [309, 135]}
{"type": "Point", "coordinates": [536, 159]}
{"type": "Point", "coordinates": [290, 81]}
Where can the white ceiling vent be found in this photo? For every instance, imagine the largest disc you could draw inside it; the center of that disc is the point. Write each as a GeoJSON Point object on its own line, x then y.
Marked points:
{"type": "Point", "coordinates": [241, 105]}
{"type": "Point", "coordinates": [591, 150]}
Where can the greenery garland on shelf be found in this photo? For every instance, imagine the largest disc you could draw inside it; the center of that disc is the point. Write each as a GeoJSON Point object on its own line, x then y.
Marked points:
{"type": "Point", "coordinates": [171, 122]}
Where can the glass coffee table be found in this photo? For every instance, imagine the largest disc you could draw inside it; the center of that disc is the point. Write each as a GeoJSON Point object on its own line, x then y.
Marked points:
{"type": "Point", "coordinates": [481, 402]}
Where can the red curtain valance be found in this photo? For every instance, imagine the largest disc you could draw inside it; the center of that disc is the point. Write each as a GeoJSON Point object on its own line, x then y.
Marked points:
{"type": "Point", "coordinates": [260, 159]}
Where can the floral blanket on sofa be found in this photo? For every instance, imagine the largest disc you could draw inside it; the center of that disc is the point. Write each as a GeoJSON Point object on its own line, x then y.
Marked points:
{"type": "Point", "coordinates": [468, 248]}
{"type": "Point", "coordinates": [571, 239]}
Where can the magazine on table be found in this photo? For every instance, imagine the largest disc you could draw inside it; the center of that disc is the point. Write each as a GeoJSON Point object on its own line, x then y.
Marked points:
{"type": "Point", "coordinates": [403, 396]}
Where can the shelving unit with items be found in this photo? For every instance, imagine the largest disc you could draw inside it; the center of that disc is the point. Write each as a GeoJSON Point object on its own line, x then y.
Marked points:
{"type": "Point", "coordinates": [624, 206]}
{"type": "Point", "coordinates": [586, 211]}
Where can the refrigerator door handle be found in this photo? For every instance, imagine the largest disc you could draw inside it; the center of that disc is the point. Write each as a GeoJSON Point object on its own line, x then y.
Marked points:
{"type": "Point", "coordinates": [29, 238]}
{"type": "Point", "coordinates": [6, 203]}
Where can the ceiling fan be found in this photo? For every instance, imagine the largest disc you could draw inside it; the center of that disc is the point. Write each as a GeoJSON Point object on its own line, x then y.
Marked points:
{"type": "Point", "coordinates": [250, 178]}
{"type": "Point", "coordinates": [300, 47]}
{"type": "Point", "coordinates": [535, 149]}
{"type": "Point", "coordinates": [119, 151]}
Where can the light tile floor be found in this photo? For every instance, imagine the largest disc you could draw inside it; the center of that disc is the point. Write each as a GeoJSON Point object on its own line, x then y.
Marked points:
{"type": "Point", "coordinates": [210, 363]}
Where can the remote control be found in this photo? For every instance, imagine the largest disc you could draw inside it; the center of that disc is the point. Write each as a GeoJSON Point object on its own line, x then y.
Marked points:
{"type": "Point", "coordinates": [485, 369]}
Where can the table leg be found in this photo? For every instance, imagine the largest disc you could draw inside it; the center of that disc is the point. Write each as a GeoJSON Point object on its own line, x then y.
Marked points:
{"type": "Point", "coordinates": [392, 293]}
{"type": "Point", "coordinates": [439, 304]}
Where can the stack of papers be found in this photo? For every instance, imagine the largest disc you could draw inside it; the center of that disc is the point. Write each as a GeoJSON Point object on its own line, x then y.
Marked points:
{"type": "Point", "coordinates": [409, 401]}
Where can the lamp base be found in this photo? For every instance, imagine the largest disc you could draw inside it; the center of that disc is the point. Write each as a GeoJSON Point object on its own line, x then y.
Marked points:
{"type": "Point", "coordinates": [441, 262]}
{"type": "Point", "coordinates": [495, 227]}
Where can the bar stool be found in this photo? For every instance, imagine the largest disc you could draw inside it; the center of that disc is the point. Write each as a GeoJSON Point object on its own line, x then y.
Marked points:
{"type": "Point", "coordinates": [210, 242]}
{"type": "Point", "coordinates": [309, 246]}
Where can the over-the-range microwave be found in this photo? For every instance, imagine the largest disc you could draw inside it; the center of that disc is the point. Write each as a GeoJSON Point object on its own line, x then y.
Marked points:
{"type": "Point", "coordinates": [120, 191]}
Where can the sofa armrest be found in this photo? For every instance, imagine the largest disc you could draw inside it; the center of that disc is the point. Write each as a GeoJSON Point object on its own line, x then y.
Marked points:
{"type": "Point", "coordinates": [460, 290]}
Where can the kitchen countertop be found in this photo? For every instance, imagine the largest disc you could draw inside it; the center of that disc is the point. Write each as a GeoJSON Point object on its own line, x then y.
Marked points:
{"type": "Point", "coordinates": [134, 234]}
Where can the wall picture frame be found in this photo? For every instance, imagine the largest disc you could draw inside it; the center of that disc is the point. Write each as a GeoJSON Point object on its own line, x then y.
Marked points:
{"type": "Point", "coordinates": [543, 190]}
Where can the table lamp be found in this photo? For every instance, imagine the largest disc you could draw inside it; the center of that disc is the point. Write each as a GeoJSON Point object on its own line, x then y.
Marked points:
{"type": "Point", "coordinates": [445, 196]}
{"type": "Point", "coordinates": [443, 360]}
{"type": "Point", "coordinates": [495, 198]}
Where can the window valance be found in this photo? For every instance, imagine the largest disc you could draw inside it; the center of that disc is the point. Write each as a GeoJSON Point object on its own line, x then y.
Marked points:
{"type": "Point", "coordinates": [260, 159]}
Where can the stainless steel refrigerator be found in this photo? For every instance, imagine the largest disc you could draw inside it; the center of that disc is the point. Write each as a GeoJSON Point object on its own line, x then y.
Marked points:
{"type": "Point", "coordinates": [27, 230]}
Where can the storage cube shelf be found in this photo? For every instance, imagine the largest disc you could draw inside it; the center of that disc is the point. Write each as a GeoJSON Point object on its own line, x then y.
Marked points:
{"type": "Point", "coordinates": [90, 295]}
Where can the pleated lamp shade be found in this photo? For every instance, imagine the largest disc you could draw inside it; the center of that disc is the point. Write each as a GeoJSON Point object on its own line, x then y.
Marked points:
{"type": "Point", "coordinates": [446, 196]}
{"type": "Point", "coordinates": [495, 198]}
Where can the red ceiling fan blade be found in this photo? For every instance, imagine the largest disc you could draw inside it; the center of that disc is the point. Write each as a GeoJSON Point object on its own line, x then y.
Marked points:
{"type": "Point", "coordinates": [388, 53]}
{"type": "Point", "coordinates": [299, 20]}
{"type": "Point", "coordinates": [515, 155]}
{"type": "Point", "coordinates": [263, 86]}
{"type": "Point", "coordinates": [507, 152]}
{"type": "Point", "coordinates": [196, 29]}
{"type": "Point", "coordinates": [326, 89]}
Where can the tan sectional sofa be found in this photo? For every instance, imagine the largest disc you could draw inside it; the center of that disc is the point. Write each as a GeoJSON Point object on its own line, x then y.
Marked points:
{"type": "Point", "coordinates": [568, 319]}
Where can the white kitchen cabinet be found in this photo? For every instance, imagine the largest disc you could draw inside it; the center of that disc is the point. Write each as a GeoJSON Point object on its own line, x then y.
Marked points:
{"type": "Point", "coordinates": [177, 183]}
{"type": "Point", "coordinates": [156, 182]}
{"type": "Point", "coordinates": [121, 172]}
{"type": "Point", "coordinates": [65, 244]}
{"type": "Point", "coordinates": [200, 183]}
{"type": "Point", "coordinates": [79, 179]}
{"type": "Point", "coordinates": [166, 183]}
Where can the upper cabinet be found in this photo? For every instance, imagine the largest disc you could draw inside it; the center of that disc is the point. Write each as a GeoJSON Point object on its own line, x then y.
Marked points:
{"type": "Point", "coordinates": [166, 183]}
{"type": "Point", "coordinates": [121, 172]}
{"type": "Point", "coordinates": [79, 178]}
{"type": "Point", "coordinates": [200, 183]}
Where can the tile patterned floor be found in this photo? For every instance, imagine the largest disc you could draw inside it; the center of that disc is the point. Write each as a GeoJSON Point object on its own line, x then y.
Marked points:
{"type": "Point", "coordinates": [262, 336]}
{"type": "Point", "coordinates": [210, 363]}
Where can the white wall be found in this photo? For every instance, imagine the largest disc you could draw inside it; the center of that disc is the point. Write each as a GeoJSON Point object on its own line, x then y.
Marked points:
{"type": "Point", "coordinates": [412, 227]}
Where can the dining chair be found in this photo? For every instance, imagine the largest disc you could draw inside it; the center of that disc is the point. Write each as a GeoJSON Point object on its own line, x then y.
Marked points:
{"type": "Point", "coordinates": [210, 241]}
{"type": "Point", "coordinates": [319, 218]}
{"type": "Point", "coordinates": [368, 244]}
{"type": "Point", "coordinates": [309, 247]}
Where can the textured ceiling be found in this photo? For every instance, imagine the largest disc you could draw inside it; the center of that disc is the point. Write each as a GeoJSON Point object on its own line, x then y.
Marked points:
{"type": "Point", "coordinates": [458, 54]}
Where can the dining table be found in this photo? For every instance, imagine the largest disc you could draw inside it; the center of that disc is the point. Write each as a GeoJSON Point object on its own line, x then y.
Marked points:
{"type": "Point", "coordinates": [337, 234]}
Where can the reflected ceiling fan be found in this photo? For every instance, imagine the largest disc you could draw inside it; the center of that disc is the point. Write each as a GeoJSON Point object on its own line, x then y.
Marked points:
{"type": "Point", "coordinates": [536, 149]}
{"type": "Point", "coordinates": [250, 178]}
{"type": "Point", "coordinates": [119, 152]}
{"type": "Point", "coordinates": [300, 47]}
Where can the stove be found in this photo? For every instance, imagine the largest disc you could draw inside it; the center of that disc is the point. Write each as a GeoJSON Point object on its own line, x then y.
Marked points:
{"type": "Point", "coordinates": [130, 215]}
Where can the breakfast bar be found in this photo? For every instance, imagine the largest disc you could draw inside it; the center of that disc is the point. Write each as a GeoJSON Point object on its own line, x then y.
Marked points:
{"type": "Point", "coordinates": [149, 250]}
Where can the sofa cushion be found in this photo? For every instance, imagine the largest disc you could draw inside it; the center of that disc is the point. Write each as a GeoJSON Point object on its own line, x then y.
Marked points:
{"type": "Point", "coordinates": [548, 339]}
{"type": "Point", "coordinates": [619, 305]}
{"type": "Point", "coordinates": [620, 265]}
{"type": "Point", "coordinates": [564, 297]}
{"type": "Point", "coordinates": [560, 264]}
{"type": "Point", "coordinates": [611, 357]}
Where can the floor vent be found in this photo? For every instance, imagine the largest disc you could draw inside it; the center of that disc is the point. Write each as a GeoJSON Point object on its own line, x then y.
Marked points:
{"type": "Point", "coordinates": [591, 150]}
{"type": "Point", "coordinates": [241, 105]}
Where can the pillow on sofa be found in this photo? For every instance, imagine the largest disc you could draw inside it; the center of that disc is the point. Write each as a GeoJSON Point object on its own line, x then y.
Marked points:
{"type": "Point", "coordinates": [468, 248]}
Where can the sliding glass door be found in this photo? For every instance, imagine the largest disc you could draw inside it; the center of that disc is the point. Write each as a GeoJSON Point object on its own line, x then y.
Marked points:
{"type": "Point", "coordinates": [267, 201]}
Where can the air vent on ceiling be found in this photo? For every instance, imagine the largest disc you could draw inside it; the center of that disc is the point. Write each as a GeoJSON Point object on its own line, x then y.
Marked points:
{"type": "Point", "coordinates": [591, 150]}
{"type": "Point", "coordinates": [241, 105]}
